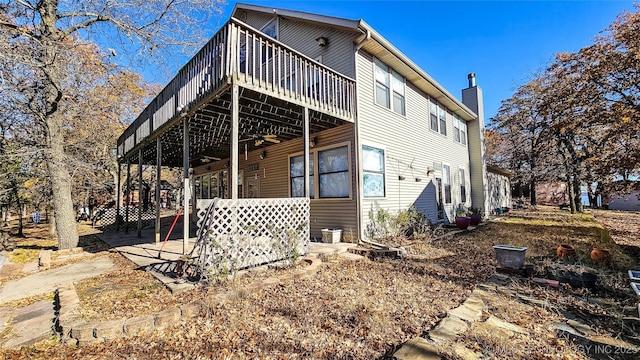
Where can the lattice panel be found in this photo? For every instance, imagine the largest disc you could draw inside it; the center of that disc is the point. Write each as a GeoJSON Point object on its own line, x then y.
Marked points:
{"type": "Point", "coordinates": [243, 233]}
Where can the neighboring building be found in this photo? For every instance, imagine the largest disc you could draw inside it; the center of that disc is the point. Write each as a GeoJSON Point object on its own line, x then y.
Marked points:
{"type": "Point", "coordinates": [626, 202]}
{"type": "Point", "coordinates": [499, 187]}
{"type": "Point", "coordinates": [275, 85]}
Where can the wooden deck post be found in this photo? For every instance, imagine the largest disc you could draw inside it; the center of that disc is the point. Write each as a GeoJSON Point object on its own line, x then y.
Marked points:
{"type": "Point", "coordinates": [187, 189]}
{"type": "Point", "coordinates": [158, 171]}
{"type": "Point", "coordinates": [140, 193]}
{"type": "Point", "coordinates": [305, 130]}
{"type": "Point", "coordinates": [233, 178]}
{"type": "Point", "coordinates": [118, 196]}
{"type": "Point", "coordinates": [128, 201]}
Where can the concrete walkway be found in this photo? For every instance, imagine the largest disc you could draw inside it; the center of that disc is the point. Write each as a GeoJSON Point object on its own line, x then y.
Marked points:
{"type": "Point", "coordinates": [49, 280]}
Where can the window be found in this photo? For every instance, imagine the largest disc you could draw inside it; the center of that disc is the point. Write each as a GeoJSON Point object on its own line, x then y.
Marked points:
{"type": "Point", "coordinates": [433, 114]}
{"type": "Point", "coordinates": [389, 88]}
{"type": "Point", "coordinates": [459, 130]}
{"type": "Point", "coordinates": [332, 179]}
{"type": "Point", "coordinates": [296, 173]}
{"type": "Point", "coordinates": [333, 172]}
{"type": "Point", "coordinates": [463, 187]}
{"type": "Point", "coordinates": [373, 171]}
{"type": "Point", "coordinates": [271, 29]}
{"type": "Point", "coordinates": [443, 119]}
{"type": "Point", "coordinates": [446, 182]}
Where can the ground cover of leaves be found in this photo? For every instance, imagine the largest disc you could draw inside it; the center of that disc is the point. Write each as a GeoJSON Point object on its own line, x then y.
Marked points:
{"type": "Point", "coordinates": [366, 309]}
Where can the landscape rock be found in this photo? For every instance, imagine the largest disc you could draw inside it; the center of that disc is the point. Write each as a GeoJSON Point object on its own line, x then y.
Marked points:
{"type": "Point", "coordinates": [417, 349]}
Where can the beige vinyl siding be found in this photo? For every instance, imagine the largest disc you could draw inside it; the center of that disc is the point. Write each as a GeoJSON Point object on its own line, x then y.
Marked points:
{"type": "Point", "coordinates": [301, 36]}
{"type": "Point", "coordinates": [273, 176]}
{"type": "Point", "coordinates": [411, 148]}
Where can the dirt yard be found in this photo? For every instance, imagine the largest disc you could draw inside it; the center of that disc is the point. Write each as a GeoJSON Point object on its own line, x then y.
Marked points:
{"type": "Point", "coordinates": [367, 309]}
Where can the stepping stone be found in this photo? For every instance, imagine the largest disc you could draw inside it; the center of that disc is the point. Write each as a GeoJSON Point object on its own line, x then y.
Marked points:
{"type": "Point", "coordinates": [497, 322]}
{"type": "Point", "coordinates": [30, 324]}
{"type": "Point", "coordinates": [448, 329]}
{"type": "Point", "coordinates": [417, 349]}
{"type": "Point", "coordinates": [466, 313]}
{"type": "Point", "coordinates": [466, 354]}
{"type": "Point", "coordinates": [30, 267]}
{"type": "Point", "coordinates": [350, 256]}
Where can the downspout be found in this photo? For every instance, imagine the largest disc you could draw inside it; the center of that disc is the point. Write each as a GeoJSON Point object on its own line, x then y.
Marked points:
{"type": "Point", "coordinates": [357, 138]}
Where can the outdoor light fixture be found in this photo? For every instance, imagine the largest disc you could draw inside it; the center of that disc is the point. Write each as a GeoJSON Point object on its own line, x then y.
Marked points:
{"type": "Point", "coordinates": [430, 171]}
{"type": "Point", "coordinates": [313, 142]}
{"type": "Point", "coordinates": [263, 154]}
{"type": "Point", "coordinates": [322, 41]}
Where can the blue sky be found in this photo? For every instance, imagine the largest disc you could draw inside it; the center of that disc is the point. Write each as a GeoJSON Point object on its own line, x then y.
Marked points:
{"type": "Point", "coordinates": [504, 42]}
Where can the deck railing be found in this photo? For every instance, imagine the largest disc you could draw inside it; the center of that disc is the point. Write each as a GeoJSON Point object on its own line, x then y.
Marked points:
{"type": "Point", "coordinates": [248, 57]}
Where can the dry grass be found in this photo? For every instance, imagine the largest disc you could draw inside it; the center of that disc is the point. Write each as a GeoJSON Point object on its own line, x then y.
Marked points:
{"type": "Point", "coordinates": [367, 309]}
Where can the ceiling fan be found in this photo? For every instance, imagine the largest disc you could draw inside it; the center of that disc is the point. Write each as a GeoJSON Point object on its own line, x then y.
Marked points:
{"type": "Point", "coordinates": [206, 159]}
{"type": "Point", "coordinates": [260, 139]}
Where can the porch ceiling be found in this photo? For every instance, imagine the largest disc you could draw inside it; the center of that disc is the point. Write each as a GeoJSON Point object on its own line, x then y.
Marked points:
{"type": "Point", "coordinates": [210, 128]}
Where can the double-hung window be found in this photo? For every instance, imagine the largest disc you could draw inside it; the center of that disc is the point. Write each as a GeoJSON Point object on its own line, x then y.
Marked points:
{"type": "Point", "coordinates": [442, 114]}
{"type": "Point", "coordinates": [446, 182]}
{"type": "Point", "coordinates": [463, 186]}
{"type": "Point", "coordinates": [389, 88]}
{"type": "Point", "coordinates": [433, 114]}
{"type": "Point", "coordinates": [459, 130]}
{"type": "Point", "coordinates": [372, 171]}
{"type": "Point", "coordinates": [296, 174]}
{"type": "Point", "coordinates": [333, 172]}
{"type": "Point", "coordinates": [332, 178]}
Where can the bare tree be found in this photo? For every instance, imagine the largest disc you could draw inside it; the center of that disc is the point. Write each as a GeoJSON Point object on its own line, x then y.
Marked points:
{"type": "Point", "coordinates": [38, 31]}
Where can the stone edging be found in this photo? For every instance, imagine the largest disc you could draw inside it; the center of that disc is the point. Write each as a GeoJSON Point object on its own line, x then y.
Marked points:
{"type": "Point", "coordinates": [79, 332]}
{"type": "Point", "coordinates": [45, 260]}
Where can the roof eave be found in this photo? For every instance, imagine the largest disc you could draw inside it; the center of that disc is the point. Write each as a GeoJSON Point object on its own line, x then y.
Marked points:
{"type": "Point", "coordinates": [466, 113]}
{"type": "Point", "coordinates": [334, 21]}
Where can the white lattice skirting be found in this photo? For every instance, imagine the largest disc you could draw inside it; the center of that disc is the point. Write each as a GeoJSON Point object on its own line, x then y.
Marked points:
{"type": "Point", "coordinates": [242, 233]}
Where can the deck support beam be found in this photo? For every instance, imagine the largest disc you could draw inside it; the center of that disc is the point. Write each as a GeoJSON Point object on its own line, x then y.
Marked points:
{"type": "Point", "coordinates": [187, 188]}
{"type": "Point", "coordinates": [128, 201]}
{"type": "Point", "coordinates": [158, 173]}
{"type": "Point", "coordinates": [140, 193]}
{"type": "Point", "coordinates": [118, 196]}
{"type": "Point", "coordinates": [234, 156]}
{"type": "Point", "coordinates": [305, 141]}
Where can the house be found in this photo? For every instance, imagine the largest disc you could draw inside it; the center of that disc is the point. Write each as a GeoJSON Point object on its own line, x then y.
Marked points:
{"type": "Point", "coordinates": [627, 200]}
{"type": "Point", "coordinates": [499, 188]}
{"type": "Point", "coordinates": [276, 89]}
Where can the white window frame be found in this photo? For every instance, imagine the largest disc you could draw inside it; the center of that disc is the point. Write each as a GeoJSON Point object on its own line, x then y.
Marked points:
{"type": "Point", "coordinates": [316, 190]}
{"type": "Point", "coordinates": [433, 115]}
{"type": "Point", "coordinates": [391, 76]}
{"type": "Point", "coordinates": [446, 180]}
{"type": "Point", "coordinates": [459, 130]}
{"type": "Point", "coordinates": [384, 170]}
{"type": "Point", "coordinates": [442, 119]}
{"type": "Point", "coordinates": [462, 175]}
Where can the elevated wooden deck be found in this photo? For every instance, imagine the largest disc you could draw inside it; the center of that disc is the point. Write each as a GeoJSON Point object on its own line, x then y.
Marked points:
{"type": "Point", "coordinates": [277, 86]}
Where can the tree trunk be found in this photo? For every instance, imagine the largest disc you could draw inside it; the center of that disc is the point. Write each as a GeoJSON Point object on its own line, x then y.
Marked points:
{"type": "Point", "coordinates": [55, 158]}
{"type": "Point", "coordinates": [63, 217]}
{"type": "Point", "coordinates": [577, 195]}
{"type": "Point", "coordinates": [52, 224]}
{"type": "Point", "coordinates": [532, 191]}
{"type": "Point", "coordinates": [571, 198]}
